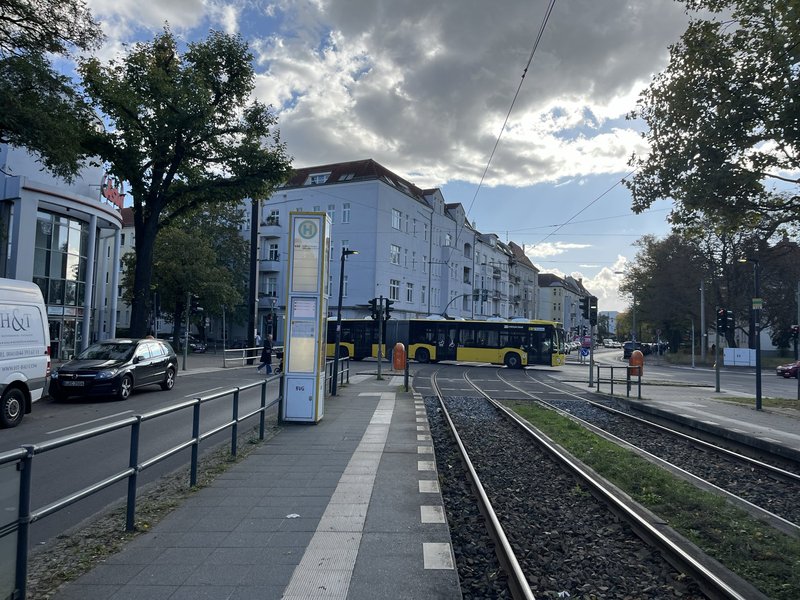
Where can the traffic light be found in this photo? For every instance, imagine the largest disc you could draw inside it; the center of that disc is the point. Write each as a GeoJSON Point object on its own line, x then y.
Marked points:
{"type": "Point", "coordinates": [194, 307]}
{"type": "Point", "coordinates": [373, 307]}
{"type": "Point", "coordinates": [388, 312]}
{"type": "Point", "coordinates": [795, 329]}
{"type": "Point", "coordinates": [593, 310]}
{"type": "Point", "coordinates": [730, 324]}
{"type": "Point", "coordinates": [722, 320]}
{"type": "Point", "coordinates": [585, 307]}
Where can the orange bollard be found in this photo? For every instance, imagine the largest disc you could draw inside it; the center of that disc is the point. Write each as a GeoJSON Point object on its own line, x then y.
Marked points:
{"type": "Point", "coordinates": [399, 357]}
{"type": "Point", "coordinates": [636, 363]}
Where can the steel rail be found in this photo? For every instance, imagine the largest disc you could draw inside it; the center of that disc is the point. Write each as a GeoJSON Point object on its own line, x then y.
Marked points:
{"type": "Point", "coordinates": [712, 583]}
{"type": "Point", "coordinates": [518, 583]}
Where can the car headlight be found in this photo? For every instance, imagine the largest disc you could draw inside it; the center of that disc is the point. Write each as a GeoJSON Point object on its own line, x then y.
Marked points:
{"type": "Point", "coordinates": [106, 374]}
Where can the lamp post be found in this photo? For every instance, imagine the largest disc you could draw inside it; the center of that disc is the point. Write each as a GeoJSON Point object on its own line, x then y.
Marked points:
{"type": "Point", "coordinates": [756, 323]}
{"type": "Point", "coordinates": [345, 253]}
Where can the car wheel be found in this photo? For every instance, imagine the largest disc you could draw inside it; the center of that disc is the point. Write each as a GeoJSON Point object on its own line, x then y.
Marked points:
{"type": "Point", "coordinates": [125, 388]}
{"type": "Point", "coordinates": [513, 361]}
{"type": "Point", "coordinates": [169, 380]}
{"type": "Point", "coordinates": [12, 407]}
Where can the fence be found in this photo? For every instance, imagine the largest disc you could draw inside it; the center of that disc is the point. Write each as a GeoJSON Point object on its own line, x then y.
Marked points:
{"type": "Point", "coordinates": [16, 467]}
{"type": "Point", "coordinates": [629, 371]}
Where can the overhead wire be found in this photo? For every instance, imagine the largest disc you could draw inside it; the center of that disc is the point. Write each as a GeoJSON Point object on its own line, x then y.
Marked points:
{"type": "Point", "coordinates": [546, 18]}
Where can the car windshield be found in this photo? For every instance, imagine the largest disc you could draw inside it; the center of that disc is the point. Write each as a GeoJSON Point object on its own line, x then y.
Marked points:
{"type": "Point", "coordinates": [107, 352]}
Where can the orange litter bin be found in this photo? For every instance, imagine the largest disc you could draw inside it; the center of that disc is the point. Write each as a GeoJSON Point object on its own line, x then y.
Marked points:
{"type": "Point", "coordinates": [636, 363]}
{"type": "Point", "coordinates": [399, 357]}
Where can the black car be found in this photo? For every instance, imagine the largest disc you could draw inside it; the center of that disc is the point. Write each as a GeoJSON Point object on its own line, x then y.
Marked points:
{"type": "Point", "coordinates": [628, 348]}
{"type": "Point", "coordinates": [114, 368]}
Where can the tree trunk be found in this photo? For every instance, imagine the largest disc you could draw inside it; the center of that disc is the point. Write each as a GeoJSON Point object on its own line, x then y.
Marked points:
{"type": "Point", "coordinates": [145, 243]}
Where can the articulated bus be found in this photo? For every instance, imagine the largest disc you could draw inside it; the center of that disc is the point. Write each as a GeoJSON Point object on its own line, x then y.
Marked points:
{"type": "Point", "coordinates": [516, 343]}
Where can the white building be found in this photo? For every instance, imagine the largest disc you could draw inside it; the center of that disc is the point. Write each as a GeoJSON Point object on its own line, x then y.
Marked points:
{"type": "Point", "coordinates": [413, 248]}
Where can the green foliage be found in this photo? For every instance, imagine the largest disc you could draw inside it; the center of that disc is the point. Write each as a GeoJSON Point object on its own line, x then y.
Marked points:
{"type": "Point", "coordinates": [723, 119]}
{"type": "Point", "coordinates": [186, 135]}
{"type": "Point", "coordinates": [41, 110]}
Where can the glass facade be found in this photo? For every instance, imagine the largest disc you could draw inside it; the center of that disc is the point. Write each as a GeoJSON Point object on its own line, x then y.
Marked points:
{"type": "Point", "coordinates": [60, 261]}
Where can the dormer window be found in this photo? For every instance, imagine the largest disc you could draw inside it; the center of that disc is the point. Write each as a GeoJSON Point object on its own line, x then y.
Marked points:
{"type": "Point", "coordinates": [317, 178]}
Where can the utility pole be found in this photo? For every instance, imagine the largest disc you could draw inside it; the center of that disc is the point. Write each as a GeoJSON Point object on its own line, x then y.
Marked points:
{"type": "Point", "coordinates": [703, 333]}
{"type": "Point", "coordinates": [380, 336]}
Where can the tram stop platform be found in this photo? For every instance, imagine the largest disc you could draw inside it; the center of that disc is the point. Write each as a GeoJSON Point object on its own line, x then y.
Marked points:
{"type": "Point", "coordinates": [349, 508]}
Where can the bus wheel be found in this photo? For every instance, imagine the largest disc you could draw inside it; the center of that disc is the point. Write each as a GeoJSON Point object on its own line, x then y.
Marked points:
{"type": "Point", "coordinates": [513, 361]}
{"type": "Point", "coordinates": [422, 355]}
{"type": "Point", "coordinates": [343, 353]}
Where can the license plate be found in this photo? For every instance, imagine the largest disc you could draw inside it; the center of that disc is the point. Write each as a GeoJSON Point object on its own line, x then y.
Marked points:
{"type": "Point", "coordinates": [72, 383]}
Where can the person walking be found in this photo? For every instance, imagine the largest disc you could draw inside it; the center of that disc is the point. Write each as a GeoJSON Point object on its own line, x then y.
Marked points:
{"type": "Point", "coordinates": [266, 356]}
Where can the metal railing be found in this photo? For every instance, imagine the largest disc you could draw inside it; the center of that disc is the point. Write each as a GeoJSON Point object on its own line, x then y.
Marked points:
{"type": "Point", "coordinates": [240, 356]}
{"type": "Point", "coordinates": [630, 371]}
{"type": "Point", "coordinates": [23, 458]}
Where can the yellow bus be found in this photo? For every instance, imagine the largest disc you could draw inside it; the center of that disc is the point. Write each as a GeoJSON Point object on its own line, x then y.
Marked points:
{"type": "Point", "coordinates": [359, 339]}
{"type": "Point", "coordinates": [515, 343]}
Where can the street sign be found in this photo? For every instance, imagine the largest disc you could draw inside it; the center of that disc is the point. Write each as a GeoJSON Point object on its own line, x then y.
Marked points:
{"type": "Point", "coordinates": [584, 352]}
{"type": "Point", "coordinates": [758, 303]}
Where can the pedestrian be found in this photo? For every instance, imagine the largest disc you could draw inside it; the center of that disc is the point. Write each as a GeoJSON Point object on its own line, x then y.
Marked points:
{"type": "Point", "coordinates": [266, 356]}
{"type": "Point", "coordinates": [258, 339]}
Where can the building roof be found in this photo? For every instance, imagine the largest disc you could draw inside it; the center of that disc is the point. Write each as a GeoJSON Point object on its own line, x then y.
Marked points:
{"type": "Point", "coordinates": [127, 216]}
{"type": "Point", "coordinates": [357, 170]}
{"type": "Point", "coordinates": [550, 280]}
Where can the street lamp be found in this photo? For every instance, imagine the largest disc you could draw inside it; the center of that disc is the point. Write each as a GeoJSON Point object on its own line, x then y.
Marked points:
{"type": "Point", "coordinates": [345, 252]}
{"type": "Point", "coordinates": [756, 323]}
{"type": "Point", "coordinates": [633, 314]}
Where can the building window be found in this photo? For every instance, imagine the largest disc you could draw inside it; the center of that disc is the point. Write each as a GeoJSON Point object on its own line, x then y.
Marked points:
{"type": "Point", "coordinates": [346, 212]}
{"type": "Point", "coordinates": [422, 294]}
{"type": "Point", "coordinates": [406, 223]}
{"type": "Point", "coordinates": [122, 239]}
{"type": "Point", "coordinates": [394, 253]}
{"type": "Point", "coordinates": [317, 178]}
{"type": "Point", "coordinates": [394, 289]}
{"type": "Point", "coordinates": [405, 257]}
{"type": "Point", "coordinates": [426, 232]}
{"type": "Point", "coordinates": [272, 252]}
{"type": "Point", "coordinates": [316, 208]}
{"type": "Point", "coordinates": [447, 239]}
{"type": "Point", "coordinates": [345, 245]}
{"type": "Point", "coordinates": [409, 292]}
{"type": "Point", "coordinates": [424, 264]}
{"type": "Point", "coordinates": [332, 212]}
{"type": "Point", "coordinates": [413, 261]}
{"type": "Point", "coordinates": [396, 219]}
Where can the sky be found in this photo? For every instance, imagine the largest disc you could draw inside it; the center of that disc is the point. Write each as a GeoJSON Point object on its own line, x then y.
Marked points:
{"type": "Point", "coordinates": [424, 88]}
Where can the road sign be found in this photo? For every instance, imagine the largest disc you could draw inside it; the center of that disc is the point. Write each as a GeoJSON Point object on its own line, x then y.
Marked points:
{"type": "Point", "coordinates": [758, 303]}
{"type": "Point", "coordinates": [584, 352]}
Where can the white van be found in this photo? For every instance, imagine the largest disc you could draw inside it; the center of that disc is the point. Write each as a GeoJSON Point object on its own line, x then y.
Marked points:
{"type": "Point", "coordinates": [24, 349]}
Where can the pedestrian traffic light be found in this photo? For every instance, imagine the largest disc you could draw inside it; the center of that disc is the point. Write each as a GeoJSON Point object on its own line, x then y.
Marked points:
{"type": "Point", "coordinates": [388, 313]}
{"type": "Point", "coordinates": [593, 310]}
{"type": "Point", "coordinates": [722, 320]}
{"type": "Point", "coordinates": [373, 307]}
{"type": "Point", "coordinates": [585, 307]}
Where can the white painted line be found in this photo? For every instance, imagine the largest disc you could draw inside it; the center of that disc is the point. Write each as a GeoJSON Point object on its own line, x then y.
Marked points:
{"type": "Point", "coordinates": [421, 420]}
{"type": "Point", "coordinates": [423, 438]}
{"type": "Point", "coordinates": [370, 394]}
{"type": "Point", "coordinates": [125, 412]}
{"type": "Point", "coordinates": [328, 561]}
{"type": "Point", "coordinates": [431, 514]}
{"type": "Point", "coordinates": [426, 465]}
{"type": "Point", "coordinates": [437, 556]}
{"type": "Point", "coordinates": [203, 392]}
{"type": "Point", "coordinates": [424, 449]}
{"type": "Point", "coordinates": [421, 428]}
{"type": "Point", "coordinates": [428, 486]}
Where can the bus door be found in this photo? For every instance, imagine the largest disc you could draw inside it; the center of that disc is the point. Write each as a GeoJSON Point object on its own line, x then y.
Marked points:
{"type": "Point", "coordinates": [446, 342]}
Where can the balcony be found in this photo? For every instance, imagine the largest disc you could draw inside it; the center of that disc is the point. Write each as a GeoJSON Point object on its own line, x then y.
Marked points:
{"type": "Point", "coordinates": [496, 273]}
{"type": "Point", "coordinates": [271, 263]}
{"type": "Point", "coordinates": [271, 221]}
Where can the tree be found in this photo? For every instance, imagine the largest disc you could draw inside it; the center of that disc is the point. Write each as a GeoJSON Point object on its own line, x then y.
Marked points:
{"type": "Point", "coordinates": [723, 119]}
{"type": "Point", "coordinates": [211, 266]}
{"type": "Point", "coordinates": [186, 135]}
{"type": "Point", "coordinates": [41, 110]}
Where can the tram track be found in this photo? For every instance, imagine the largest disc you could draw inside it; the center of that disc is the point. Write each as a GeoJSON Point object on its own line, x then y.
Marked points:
{"type": "Point", "coordinates": [765, 491]}
{"type": "Point", "coordinates": [572, 536]}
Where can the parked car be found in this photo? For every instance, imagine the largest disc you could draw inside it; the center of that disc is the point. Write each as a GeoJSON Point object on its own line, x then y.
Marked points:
{"type": "Point", "coordinates": [788, 370]}
{"type": "Point", "coordinates": [114, 368]}
{"type": "Point", "coordinates": [628, 348]}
